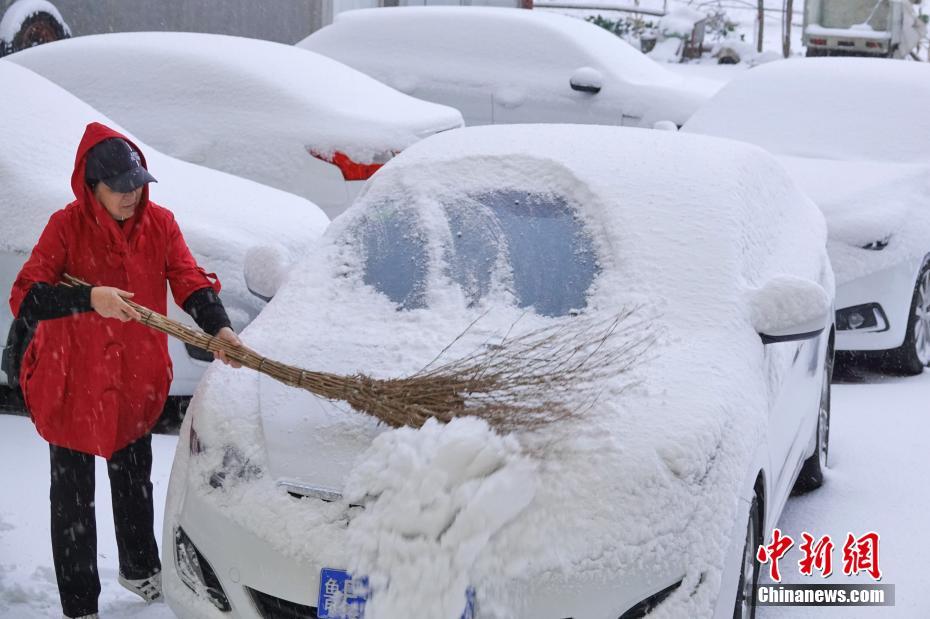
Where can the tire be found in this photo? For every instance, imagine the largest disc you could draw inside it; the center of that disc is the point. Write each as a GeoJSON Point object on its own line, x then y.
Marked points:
{"type": "Point", "coordinates": [38, 28]}
{"type": "Point", "coordinates": [745, 606]}
{"type": "Point", "coordinates": [811, 475]}
{"type": "Point", "coordinates": [914, 354]}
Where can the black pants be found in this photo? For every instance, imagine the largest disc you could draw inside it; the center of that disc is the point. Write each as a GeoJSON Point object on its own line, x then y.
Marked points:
{"type": "Point", "coordinates": [74, 524]}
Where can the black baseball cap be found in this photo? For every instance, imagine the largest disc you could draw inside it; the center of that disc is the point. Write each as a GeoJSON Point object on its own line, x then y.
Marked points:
{"type": "Point", "coordinates": [117, 164]}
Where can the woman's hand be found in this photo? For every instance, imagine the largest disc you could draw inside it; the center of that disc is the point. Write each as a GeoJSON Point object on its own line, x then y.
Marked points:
{"type": "Point", "coordinates": [109, 302]}
{"type": "Point", "coordinates": [229, 336]}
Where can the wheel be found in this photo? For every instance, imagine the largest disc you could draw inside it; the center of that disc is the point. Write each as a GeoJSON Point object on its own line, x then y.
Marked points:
{"type": "Point", "coordinates": [811, 475]}
{"type": "Point", "coordinates": [914, 354]}
{"type": "Point", "coordinates": [745, 607]}
{"type": "Point", "coordinates": [37, 29]}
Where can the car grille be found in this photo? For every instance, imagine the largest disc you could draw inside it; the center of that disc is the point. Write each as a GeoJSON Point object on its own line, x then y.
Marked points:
{"type": "Point", "coordinates": [270, 607]}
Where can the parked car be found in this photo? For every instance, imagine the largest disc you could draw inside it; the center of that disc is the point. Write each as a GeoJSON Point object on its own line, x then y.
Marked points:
{"type": "Point", "coordinates": [222, 217]}
{"type": "Point", "coordinates": [852, 133]}
{"type": "Point", "coordinates": [264, 111]}
{"type": "Point", "coordinates": [653, 495]}
{"type": "Point", "coordinates": [27, 23]}
{"type": "Point", "coordinates": [500, 65]}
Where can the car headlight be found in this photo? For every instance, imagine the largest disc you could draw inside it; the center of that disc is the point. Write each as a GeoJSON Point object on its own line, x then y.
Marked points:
{"type": "Point", "coordinates": [877, 245]}
{"type": "Point", "coordinates": [648, 605]}
{"type": "Point", "coordinates": [868, 317]}
{"type": "Point", "coordinates": [196, 573]}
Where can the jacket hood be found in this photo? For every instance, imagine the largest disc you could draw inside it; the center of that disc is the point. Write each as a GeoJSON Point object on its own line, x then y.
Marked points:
{"type": "Point", "coordinates": [95, 133]}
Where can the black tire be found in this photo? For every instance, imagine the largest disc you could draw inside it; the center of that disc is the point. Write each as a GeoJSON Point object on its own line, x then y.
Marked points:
{"type": "Point", "coordinates": [914, 354]}
{"type": "Point", "coordinates": [38, 28]}
{"type": "Point", "coordinates": [745, 606]}
{"type": "Point", "coordinates": [811, 475]}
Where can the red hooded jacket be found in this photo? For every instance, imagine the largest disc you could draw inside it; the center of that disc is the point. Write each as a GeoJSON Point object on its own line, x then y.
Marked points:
{"type": "Point", "coordinates": [96, 384]}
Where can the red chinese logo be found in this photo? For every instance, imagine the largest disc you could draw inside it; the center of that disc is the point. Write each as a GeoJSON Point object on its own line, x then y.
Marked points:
{"type": "Point", "coordinates": [861, 555]}
{"type": "Point", "coordinates": [817, 556]}
{"type": "Point", "coordinates": [775, 551]}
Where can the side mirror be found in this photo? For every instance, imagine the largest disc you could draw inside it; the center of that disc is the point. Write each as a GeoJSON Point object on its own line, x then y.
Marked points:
{"type": "Point", "coordinates": [665, 125]}
{"type": "Point", "coordinates": [265, 269]}
{"type": "Point", "coordinates": [588, 80]}
{"type": "Point", "coordinates": [788, 309]}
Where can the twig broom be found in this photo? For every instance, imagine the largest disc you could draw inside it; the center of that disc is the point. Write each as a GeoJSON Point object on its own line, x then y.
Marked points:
{"type": "Point", "coordinates": [517, 384]}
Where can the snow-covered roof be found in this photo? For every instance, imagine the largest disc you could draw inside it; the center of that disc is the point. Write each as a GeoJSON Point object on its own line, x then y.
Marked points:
{"type": "Point", "coordinates": [829, 108]}
{"type": "Point", "coordinates": [221, 215]}
{"type": "Point", "coordinates": [260, 85]}
{"type": "Point", "coordinates": [431, 37]}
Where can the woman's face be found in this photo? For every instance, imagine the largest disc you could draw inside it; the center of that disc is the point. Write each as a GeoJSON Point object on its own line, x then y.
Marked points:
{"type": "Point", "coordinates": [120, 206]}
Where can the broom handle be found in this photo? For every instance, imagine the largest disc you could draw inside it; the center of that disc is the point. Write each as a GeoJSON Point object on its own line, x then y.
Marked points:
{"type": "Point", "coordinates": [186, 334]}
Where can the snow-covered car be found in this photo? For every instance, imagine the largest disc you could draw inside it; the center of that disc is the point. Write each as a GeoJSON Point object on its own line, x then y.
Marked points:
{"type": "Point", "coordinates": [26, 23]}
{"type": "Point", "coordinates": [657, 492]}
{"type": "Point", "coordinates": [499, 65]}
{"type": "Point", "coordinates": [222, 217]}
{"type": "Point", "coordinates": [852, 132]}
{"type": "Point", "coordinates": [265, 111]}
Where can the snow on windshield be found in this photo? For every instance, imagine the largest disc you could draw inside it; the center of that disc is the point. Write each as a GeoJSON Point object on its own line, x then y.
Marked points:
{"type": "Point", "coordinates": [531, 245]}
{"type": "Point", "coordinates": [829, 108]}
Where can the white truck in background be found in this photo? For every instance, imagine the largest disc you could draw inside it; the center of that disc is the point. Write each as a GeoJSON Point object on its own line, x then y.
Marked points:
{"type": "Point", "coordinates": [880, 28]}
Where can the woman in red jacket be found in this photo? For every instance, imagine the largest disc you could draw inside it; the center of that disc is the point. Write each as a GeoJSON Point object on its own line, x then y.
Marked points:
{"type": "Point", "coordinates": [94, 380]}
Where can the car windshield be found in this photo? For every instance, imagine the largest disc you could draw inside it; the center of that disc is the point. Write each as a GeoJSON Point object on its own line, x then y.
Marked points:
{"type": "Point", "coordinates": [531, 244]}
{"type": "Point", "coordinates": [536, 237]}
{"type": "Point", "coordinates": [396, 260]}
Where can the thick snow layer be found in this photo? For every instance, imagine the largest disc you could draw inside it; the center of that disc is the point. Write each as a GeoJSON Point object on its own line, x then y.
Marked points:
{"type": "Point", "coordinates": [679, 22]}
{"type": "Point", "coordinates": [221, 216]}
{"type": "Point", "coordinates": [859, 31]}
{"type": "Point", "coordinates": [828, 108]}
{"type": "Point", "coordinates": [20, 11]}
{"type": "Point", "coordinates": [252, 108]}
{"type": "Point", "coordinates": [646, 480]}
{"type": "Point", "coordinates": [866, 202]}
{"type": "Point", "coordinates": [523, 55]}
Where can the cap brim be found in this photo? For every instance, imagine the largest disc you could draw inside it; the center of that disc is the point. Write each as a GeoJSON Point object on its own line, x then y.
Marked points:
{"type": "Point", "coordinates": [130, 181]}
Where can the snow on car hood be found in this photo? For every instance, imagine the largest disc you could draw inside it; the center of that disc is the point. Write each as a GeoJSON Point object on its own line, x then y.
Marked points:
{"type": "Point", "coordinates": [326, 104]}
{"type": "Point", "coordinates": [648, 476]}
{"type": "Point", "coordinates": [867, 202]}
{"type": "Point", "coordinates": [220, 215]}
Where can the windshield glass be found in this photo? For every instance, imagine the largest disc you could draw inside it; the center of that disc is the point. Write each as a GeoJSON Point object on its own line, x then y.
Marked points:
{"type": "Point", "coordinates": [396, 260]}
{"type": "Point", "coordinates": [536, 237]}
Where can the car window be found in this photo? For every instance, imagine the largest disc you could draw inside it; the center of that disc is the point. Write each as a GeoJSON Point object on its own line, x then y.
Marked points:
{"type": "Point", "coordinates": [396, 260]}
{"type": "Point", "coordinates": [550, 256]}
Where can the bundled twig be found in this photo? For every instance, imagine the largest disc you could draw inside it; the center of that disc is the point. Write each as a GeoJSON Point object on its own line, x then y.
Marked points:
{"type": "Point", "coordinates": [517, 383]}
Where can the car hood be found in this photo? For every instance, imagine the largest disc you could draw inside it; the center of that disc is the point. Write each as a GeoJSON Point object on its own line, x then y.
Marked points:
{"type": "Point", "coordinates": [862, 201]}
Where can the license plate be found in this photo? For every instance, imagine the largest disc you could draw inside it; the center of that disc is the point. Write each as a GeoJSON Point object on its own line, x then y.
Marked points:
{"type": "Point", "coordinates": [343, 597]}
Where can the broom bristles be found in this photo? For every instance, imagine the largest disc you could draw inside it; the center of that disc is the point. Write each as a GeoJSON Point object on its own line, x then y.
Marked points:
{"type": "Point", "coordinates": [520, 383]}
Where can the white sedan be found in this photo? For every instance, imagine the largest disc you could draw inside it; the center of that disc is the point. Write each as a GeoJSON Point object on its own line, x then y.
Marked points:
{"type": "Point", "coordinates": [853, 134]}
{"type": "Point", "coordinates": [222, 217]}
{"type": "Point", "coordinates": [657, 493]}
{"type": "Point", "coordinates": [502, 66]}
{"type": "Point", "coordinates": [264, 111]}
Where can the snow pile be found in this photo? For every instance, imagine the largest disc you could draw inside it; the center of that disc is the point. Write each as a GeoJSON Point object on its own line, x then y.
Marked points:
{"type": "Point", "coordinates": [221, 216]}
{"type": "Point", "coordinates": [679, 22]}
{"type": "Point", "coordinates": [437, 495]}
{"type": "Point", "coordinates": [828, 108]}
{"type": "Point", "coordinates": [431, 53]}
{"type": "Point", "coordinates": [868, 202]}
{"type": "Point", "coordinates": [787, 301]}
{"type": "Point", "coordinates": [641, 488]}
{"type": "Point", "coordinates": [21, 10]}
{"type": "Point", "coordinates": [244, 106]}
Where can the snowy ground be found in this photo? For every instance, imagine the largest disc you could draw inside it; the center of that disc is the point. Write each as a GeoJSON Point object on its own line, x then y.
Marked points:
{"type": "Point", "coordinates": [876, 482]}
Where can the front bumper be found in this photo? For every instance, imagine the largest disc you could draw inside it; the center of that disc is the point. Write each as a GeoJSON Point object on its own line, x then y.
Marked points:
{"type": "Point", "coordinates": [892, 290]}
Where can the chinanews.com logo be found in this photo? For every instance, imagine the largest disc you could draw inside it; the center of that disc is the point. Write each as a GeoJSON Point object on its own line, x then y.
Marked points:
{"type": "Point", "coordinates": [860, 555]}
